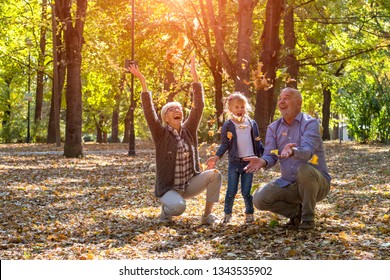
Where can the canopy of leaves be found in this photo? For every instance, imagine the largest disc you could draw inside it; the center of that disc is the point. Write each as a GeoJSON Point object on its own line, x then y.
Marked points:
{"type": "Point", "coordinates": [330, 34]}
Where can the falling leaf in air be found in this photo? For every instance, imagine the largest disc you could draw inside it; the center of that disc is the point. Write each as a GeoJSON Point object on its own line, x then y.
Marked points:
{"type": "Point", "coordinates": [229, 135]}
{"type": "Point", "coordinates": [254, 188]}
{"type": "Point", "coordinates": [314, 159]}
{"type": "Point", "coordinates": [275, 152]}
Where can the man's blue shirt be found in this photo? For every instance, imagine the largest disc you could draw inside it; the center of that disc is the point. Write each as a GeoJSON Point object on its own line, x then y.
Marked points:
{"type": "Point", "coordinates": [305, 133]}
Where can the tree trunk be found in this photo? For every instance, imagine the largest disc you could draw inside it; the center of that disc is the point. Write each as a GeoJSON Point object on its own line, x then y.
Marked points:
{"type": "Point", "coordinates": [217, 74]}
{"type": "Point", "coordinates": [126, 135]}
{"type": "Point", "coordinates": [265, 98]}
{"type": "Point", "coordinates": [240, 71]}
{"type": "Point", "coordinates": [289, 45]}
{"type": "Point", "coordinates": [73, 147]}
{"type": "Point", "coordinates": [327, 103]}
{"type": "Point", "coordinates": [218, 25]}
{"type": "Point", "coordinates": [59, 70]}
{"type": "Point", "coordinates": [73, 44]}
{"type": "Point", "coordinates": [101, 135]}
{"type": "Point", "coordinates": [6, 124]}
{"type": "Point", "coordinates": [326, 112]}
{"type": "Point", "coordinates": [41, 65]}
{"type": "Point", "coordinates": [115, 113]}
{"type": "Point", "coordinates": [336, 128]}
{"type": "Point", "coordinates": [245, 19]}
{"type": "Point", "coordinates": [213, 63]}
{"type": "Point", "coordinates": [169, 81]}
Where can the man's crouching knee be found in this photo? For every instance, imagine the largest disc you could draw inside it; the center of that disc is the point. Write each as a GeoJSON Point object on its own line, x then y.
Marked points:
{"type": "Point", "coordinates": [259, 200]}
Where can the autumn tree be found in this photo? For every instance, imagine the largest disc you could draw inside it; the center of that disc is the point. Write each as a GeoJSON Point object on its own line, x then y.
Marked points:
{"type": "Point", "coordinates": [290, 41]}
{"type": "Point", "coordinates": [74, 23]}
{"type": "Point", "coordinates": [59, 74]}
{"type": "Point", "coordinates": [238, 68]}
{"type": "Point", "coordinates": [269, 62]}
{"type": "Point", "coordinates": [41, 63]}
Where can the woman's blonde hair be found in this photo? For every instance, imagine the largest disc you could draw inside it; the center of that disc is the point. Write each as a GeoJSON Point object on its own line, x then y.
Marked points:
{"type": "Point", "coordinates": [237, 97]}
{"type": "Point", "coordinates": [165, 108]}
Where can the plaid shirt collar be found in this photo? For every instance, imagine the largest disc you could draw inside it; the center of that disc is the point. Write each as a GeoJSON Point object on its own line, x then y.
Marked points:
{"type": "Point", "coordinates": [183, 165]}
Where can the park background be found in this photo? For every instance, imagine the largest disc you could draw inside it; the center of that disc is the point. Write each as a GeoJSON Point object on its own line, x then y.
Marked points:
{"type": "Point", "coordinates": [64, 89]}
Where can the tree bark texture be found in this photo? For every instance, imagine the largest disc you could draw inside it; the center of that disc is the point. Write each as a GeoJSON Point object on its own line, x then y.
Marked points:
{"type": "Point", "coordinates": [115, 113]}
{"type": "Point", "coordinates": [59, 70]}
{"type": "Point", "coordinates": [73, 44]}
{"type": "Point", "coordinates": [240, 70]}
{"type": "Point", "coordinates": [41, 65]}
{"type": "Point", "coordinates": [245, 30]}
{"type": "Point", "coordinates": [265, 95]}
{"type": "Point", "coordinates": [289, 47]}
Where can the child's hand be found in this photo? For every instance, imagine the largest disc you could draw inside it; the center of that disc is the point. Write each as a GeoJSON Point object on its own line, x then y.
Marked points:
{"type": "Point", "coordinates": [210, 162]}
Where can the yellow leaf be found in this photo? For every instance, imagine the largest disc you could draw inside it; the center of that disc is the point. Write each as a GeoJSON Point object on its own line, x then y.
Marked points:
{"type": "Point", "coordinates": [62, 237]}
{"type": "Point", "coordinates": [292, 253]}
{"type": "Point", "coordinates": [276, 152]}
{"type": "Point", "coordinates": [343, 236]}
{"type": "Point", "coordinates": [229, 135]}
{"type": "Point", "coordinates": [258, 138]}
{"type": "Point", "coordinates": [211, 133]}
{"type": "Point", "coordinates": [52, 237]}
{"type": "Point", "coordinates": [254, 187]}
{"type": "Point", "coordinates": [314, 159]}
{"type": "Point", "coordinates": [386, 218]}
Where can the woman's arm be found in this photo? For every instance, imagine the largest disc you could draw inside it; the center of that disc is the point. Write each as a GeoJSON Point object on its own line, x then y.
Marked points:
{"type": "Point", "coordinates": [133, 68]}
{"type": "Point", "coordinates": [195, 115]}
{"type": "Point", "coordinates": [193, 70]}
{"type": "Point", "coordinates": [147, 104]}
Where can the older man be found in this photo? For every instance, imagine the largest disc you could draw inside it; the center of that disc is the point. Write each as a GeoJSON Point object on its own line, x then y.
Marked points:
{"type": "Point", "coordinates": [295, 141]}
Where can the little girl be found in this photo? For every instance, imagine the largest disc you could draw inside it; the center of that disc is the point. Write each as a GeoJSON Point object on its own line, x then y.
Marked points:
{"type": "Point", "coordinates": [240, 136]}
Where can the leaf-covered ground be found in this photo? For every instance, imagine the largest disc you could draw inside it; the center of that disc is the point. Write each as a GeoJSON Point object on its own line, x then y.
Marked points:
{"type": "Point", "coordinates": [102, 207]}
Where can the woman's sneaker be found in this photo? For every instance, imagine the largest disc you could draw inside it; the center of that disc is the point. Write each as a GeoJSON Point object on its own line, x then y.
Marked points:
{"type": "Point", "coordinates": [227, 218]}
{"type": "Point", "coordinates": [210, 219]}
{"type": "Point", "coordinates": [164, 218]}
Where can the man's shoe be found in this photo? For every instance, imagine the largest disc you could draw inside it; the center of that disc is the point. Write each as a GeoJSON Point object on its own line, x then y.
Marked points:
{"type": "Point", "coordinates": [210, 220]}
{"type": "Point", "coordinates": [306, 225]}
{"type": "Point", "coordinates": [295, 221]}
